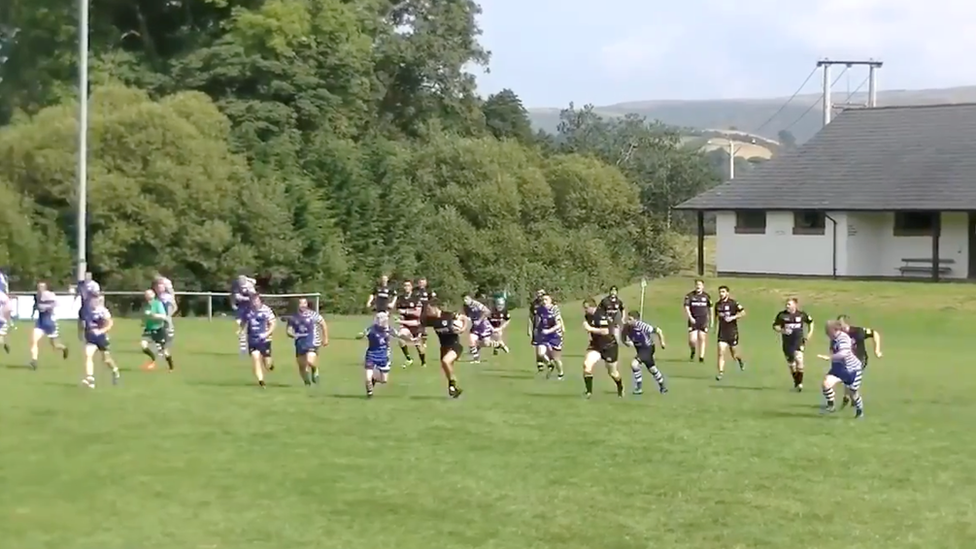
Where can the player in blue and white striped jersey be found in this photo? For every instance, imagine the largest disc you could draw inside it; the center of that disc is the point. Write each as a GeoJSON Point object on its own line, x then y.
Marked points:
{"type": "Point", "coordinates": [376, 362]}
{"type": "Point", "coordinates": [259, 326]}
{"type": "Point", "coordinates": [549, 330]}
{"type": "Point", "coordinates": [98, 323]}
{"type": "Point", "coordinates": [6, 316]}
{"type": "Point", "coordinates": [480, 333]}
{"type": "Point", "coordinates": [86, 290]}
{"type": "Point", "coordinates": [164, 292]}
{"type": "Point", "coordinates": [845, 368]}
{"type": "Point", "coordinates": [643, 337]}
{"type": "Point", "coordinates": [45, 303]}
{"type": "Point", "coordinates": [4, 283]}
{"type": "Point", "coordinates": [241, 290]}
{"type": "Point", "coordinates": [309, 330]}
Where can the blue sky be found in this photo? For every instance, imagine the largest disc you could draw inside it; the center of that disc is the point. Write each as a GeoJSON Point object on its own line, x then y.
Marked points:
{"type": "Point", "coordinates": [552, 52]}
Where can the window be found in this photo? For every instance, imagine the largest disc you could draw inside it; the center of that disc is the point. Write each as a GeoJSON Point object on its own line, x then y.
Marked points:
{"type": "Point", "coordinates": [750, 222]}
{"type": "Point", "coordinates": [914, 223]}
{"type": "Point", "coordinates": [809, 222]}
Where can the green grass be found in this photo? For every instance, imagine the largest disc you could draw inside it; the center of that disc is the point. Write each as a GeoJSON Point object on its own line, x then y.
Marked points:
{"type": "Point", "coordinates": [202, 459]}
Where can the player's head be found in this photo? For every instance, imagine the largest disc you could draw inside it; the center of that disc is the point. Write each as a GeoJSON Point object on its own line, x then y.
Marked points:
{"type": "Point", "coordinates": [41, 287]}
{"type": "Point", "coordinates": [723, 292]}
{"type": "Point", "coordinates": [384, 280]}
{"type": "Point", "coordinates": [149, 295]}
{"type": "Point", "coordinates": [433, 308]}
{"type": "Point", "coordinates": [88, 277]}
{"type": "Point", "coordinates": [255, 300]}
{"type": "Point", "coordinates": [589, 305]}
{"type": "Point", "coordinates": [382, 319]}
{"type": "Point", "coordinates": [421, 282]}
{"type": "Point", "coordinates": [613, 290]}
{"type": "Point", "coordinates": [468, 300]}
{"type": "Point", "coordinates": [159, 286]}
{"type": "Point", "coordinates": [632, 317]}
{"type": "Point", "coordinates": [241, 280]}
{"type": "Point", "coordinates": [302, 304]}
{"type": "Point", "coordinates": [407, 286]}
{"type": "Point", "coordinates": [539, 293]}
{"type": "Point", "coordinates": [792, 305]}
{"type": "Point", "coordinates": [845, 322]}
{"type": "Point", "coordinates": [699, 285]}
{"type": "Point", "coordinates": [547, 300]}
{"type": "Point", "coordinates": [499, 302]}
{"type": "Point", "coordinates": [833, 327]}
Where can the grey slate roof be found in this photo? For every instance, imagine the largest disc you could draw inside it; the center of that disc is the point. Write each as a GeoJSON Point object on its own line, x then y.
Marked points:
{"type": "Point", "coordinates": [883, 159]}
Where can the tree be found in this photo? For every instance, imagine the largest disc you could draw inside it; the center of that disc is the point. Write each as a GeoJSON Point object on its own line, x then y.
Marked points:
{"type": "Point", "coordinates": [506, 117]}
{"type": "Point", "coordinates": [786, 139]}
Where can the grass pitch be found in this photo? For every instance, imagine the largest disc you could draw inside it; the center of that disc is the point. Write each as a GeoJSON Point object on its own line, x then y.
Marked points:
{"type": "Point", "coordinates": [203, 459]}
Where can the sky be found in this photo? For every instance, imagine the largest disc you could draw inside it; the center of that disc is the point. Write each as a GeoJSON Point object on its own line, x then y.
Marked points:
{"type": "Point", "coordinates": [603, 52]}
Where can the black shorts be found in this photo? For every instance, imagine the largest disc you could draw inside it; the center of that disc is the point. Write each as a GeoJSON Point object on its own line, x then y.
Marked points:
{"type": "Point", "coordinates": [729, 337]}
{"type": "Point", "coordinates": [790, 348]}
{"type": "Point", "coordinates": [609, 354]}
{"type": "Point", "coordinates": [645, 355]}
{"type": "Point", "coordinates": [415, 331]}
{"type": "Point", "coordinates": [698, 325]}
{"type": "Point", "coordinates": [448, 347]}
{"type": "Point", "coordinates": [159, 337]}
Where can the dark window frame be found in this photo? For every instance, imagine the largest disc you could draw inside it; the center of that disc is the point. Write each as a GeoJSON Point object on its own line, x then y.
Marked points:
{"type": "Point", "coordinates": [748, 222]}
{"type": "Point", "coordinates": [914, 223]}
{"type": "Point", "coordinates": [809, 222]}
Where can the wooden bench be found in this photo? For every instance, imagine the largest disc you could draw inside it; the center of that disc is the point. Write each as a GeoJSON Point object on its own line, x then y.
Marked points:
{"type": "Point", "coordinates": [923, 265]}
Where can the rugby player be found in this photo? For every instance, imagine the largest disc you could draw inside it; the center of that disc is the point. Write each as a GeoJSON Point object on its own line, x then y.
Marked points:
{"type": "Point", "coordinates": [614, 307]}
{"type": "Point", "coordinates": [424, 295]}
{"type": "Point", "coordinates": [642, 336]}
{"type": "Point", "coordinates": [45, 303]}
{"type": "Point", "coordinates": [410, 310]}
{"type": "Point", "coordinates": [531, 330]}
{"type": "Point", "coordinates": [87, 290]}
{"type": "Point", "coordinates": [480, 331]}
{"type": "Point", "coordinates": [383, 298]}
{"type": "Point", "coordinates": [98, 323]}
{"type": "Point", "coordinates": [550, 329]}
{"type": "Point", "coordinates": [241, 290]}
{"type": "Point", "coordinates": [500, 319]}
{"type": "Point", "coordinates": [698, 308]}
{"type": "Point", "coordinates": [376, 362]}
{"type": "Point", "coordinates": [448, 326]}
{"type": "Point", "coordinates": [859, 336]}
{"type": "Point", "coordinates": [790, 323]}
{"type": "Point", "coordinates": [164, 292]}
{"type": "Point", "coordinates": [260, 322]}
{"type": "Point", "coordinates": [155, 332]}
{"type": "Point", "coordinates": [844, 368]}
{"type": "Point", "coordinates": [727, 314]}
{"type": "Point", "coordinates": [6, 319]}
{"type": "Point", "coordinates": [603, 346]}
{"type": "Point", "coordinates": [310, 332]}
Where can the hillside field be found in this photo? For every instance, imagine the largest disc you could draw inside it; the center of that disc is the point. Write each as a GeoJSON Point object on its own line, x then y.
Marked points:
{"type": "Point", "coordinates": [202, 459]}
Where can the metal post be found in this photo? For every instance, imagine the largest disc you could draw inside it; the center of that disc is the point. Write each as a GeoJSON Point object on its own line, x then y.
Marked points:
{"type": "Point", "coordinates": [210, 307]}
{"type": "Point", "coordinates": [731, 160]}
{"type": "Point", "coordinates": [826, 94]}
{"type": "Point", "coordinates": [317, 303]}
{"type": "Point", "coordinates": [872, 86]}
{"type": "Point", "coordinates": [82, 138]}
{"type": "Point", "coordinates": [701, 243]}
{"type": "Point", "coordinates": [936, 236]}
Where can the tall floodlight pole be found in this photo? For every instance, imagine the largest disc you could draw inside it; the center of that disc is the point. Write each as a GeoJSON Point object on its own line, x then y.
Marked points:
{"type": "Point", "coordinates": [82, 138]}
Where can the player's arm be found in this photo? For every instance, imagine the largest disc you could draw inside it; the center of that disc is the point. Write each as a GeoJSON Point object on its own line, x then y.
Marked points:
{"type": "Point", "coordinates": [691, 317]}
{"type": "Point", "coordinates": [272, 322]}
{"type": "Point", "coordinates": [393, 300]}
{"type": "Point", "coordinates": [290, 330]}
{"type": "Point", "coordinates": [325, 331]}
{"type": "Point", "coordinates": [465, 322]}
{"type": "Point", "coordinates": [506, 320]}
{"type": "Point", "coordinates": [594, 329]}
{"type": "Point", "coordinates": [778, 324]}
{"type": "Point", "coordinates": [560, 325]}
{"type": "Point", "coordinates": [157, 311]}
{"type": "Point", "coordinates": [625, 336]}
{"type": "Point", "coordinates": [875, 336]}
{"type": "Point", "coordinates": [659, 334]}
{"type": "Point", "coordinates": [712, 316]}
{"type": "Point", "coordinates": [740, 312]}
{"type": "Point", "coordinates": [172, 308]}
{"type": "Point", "coordinates": [811, 325]}
{"type": "Point", "coordinates": [109, 322]}
{"type": "Point", "coordinates": [369, 302]}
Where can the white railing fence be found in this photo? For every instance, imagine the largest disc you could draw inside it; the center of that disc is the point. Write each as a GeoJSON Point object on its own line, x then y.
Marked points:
{"type": "Point", "coordinates": [199, 304]}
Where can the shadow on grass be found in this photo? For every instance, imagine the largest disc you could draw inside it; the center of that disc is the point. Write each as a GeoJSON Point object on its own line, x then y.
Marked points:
{"type": "Point", "coordinates": [514, 375]}
{"type": "Point", "coordinates": [251, 384]}
{"type": "Point", "coordinates": [781, 414]}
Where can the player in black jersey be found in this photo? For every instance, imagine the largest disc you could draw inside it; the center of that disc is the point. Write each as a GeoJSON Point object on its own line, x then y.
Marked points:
{"type": "Point", "coordinates": [530, 328]}
{"type": "Point", "coordinates": [424, 295]}
{"type": "Point", "coordinates": [698, 309]}
{"type": "Point", "coordinates": [411, 326]}
{"type": "Point", "coordinates": [603, 346]}
{"type": "Point", "coordinates": [383, 298]}
{"type": "Point", "coordinates": [727, 315]}
{"type": "Point", "coordinates": [614, 307]}
{"type": "Point", "coordinates": [790, 324]}
{"type": "Point", "coordinates": [859, 337]}
{"type": "Point", "coordinates": [500, 318]}
{"type": "Point", "coordinates": [448, 327]}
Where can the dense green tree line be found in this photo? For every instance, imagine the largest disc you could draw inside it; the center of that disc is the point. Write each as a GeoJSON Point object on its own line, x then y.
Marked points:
{"type": "Point", "coordinates": [318, 143]}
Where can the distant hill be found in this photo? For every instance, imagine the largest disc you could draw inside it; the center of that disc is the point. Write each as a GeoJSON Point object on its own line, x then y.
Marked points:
{"type": "Point", "coordinates": [748, 114]}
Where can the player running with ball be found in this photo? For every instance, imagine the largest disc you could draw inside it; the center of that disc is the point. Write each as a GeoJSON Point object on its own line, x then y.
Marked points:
{"type": "Point", "coordinates": [844, 368]}
{"type": "Point", "coordinates": [98, 323]}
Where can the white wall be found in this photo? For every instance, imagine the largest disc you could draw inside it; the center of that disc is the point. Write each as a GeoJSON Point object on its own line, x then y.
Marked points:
{"type": "Point", "coordinates": [873, 250]}
{"type": "Point", "coordinates": [779, 251]}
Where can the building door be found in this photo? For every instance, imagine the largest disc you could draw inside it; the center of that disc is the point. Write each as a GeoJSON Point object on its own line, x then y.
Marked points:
{"type": "Point", "coordinates": [972, 246]}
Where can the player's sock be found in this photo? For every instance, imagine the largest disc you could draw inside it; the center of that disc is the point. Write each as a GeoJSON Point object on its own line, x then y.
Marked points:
{"type": "Point", "coordinates": [242, 342]}
{"type": "Point", "coordinates": [540, 363]}
{"type": "Point", "coordinates": [638, 378]}
{"type": "Point", "coordinates": [64, 351]}
{"type": "Point", "coordinates": [406, 353]}
{"type": "Point", "coordinates": [657, 375]}
{"type": "Point", "coordinates": [315, 374]}
{"type": "Point", "coordinates": [423, 357]}
{"type": "Point", "coordinates": [829, 396]}
{"type": "Point", "coordinates": [620, 385]}
{"type": "Point", "coordinates": [793, 375]}
{"type": "Point", "coordinates": [701, 359]}
{"type": "Point", "coordinates": [475, 353]}
{"type": "Point", "coordinates": [148, 352]}
{"type": "Point", "coordinates": [169, 361]}
{"type": "Point", "coordinates": [858, 403]}
{"type": "Point", "coordinates": [588, 383]}
{"type": "Point", "coordinates": [691, 353]}
{"type": "Point", "coordinates": [799, 378]}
